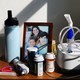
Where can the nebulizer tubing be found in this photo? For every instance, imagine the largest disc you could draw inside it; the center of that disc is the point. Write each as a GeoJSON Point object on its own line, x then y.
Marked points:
{"type": "Point", "coordinates": [67, 31]}
{"type": "Point", "coordinates": [61, 39]}
{"type": "Point", "coordinates": [68, 28]}
{"type": "Point", "coordinates": [70, 31]}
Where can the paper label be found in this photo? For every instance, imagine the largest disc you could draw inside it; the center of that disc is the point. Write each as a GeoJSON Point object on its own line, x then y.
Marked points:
{"type": "Point", "coordinates": [50, 66]}
{"type": "Point", "coordinates": [40, 69]}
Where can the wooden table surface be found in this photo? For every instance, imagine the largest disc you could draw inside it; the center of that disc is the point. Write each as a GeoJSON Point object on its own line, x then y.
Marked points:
{"type": "Point", "coordinates": [28, 76]}
{"type": "Point", "coordinates": [54, 75]}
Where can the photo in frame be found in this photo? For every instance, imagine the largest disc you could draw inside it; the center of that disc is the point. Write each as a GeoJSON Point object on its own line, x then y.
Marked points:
{"type": "Point", "coordinates": [39, 35]}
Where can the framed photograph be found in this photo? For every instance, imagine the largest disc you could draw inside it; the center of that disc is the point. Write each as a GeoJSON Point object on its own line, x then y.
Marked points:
{"type": "Point", "coordinates": [38, 35]}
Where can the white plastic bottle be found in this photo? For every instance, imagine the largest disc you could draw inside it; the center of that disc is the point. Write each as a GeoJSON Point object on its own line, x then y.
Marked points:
{"type": "Point", "coordinates": [50, 58]}
{"type": "Point", "coordinates": [12, 38]}
{"type": "Point", "coordinates": [38, 65]}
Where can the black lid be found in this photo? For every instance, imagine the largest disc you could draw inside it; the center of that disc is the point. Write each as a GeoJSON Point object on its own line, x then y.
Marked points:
{"type": "Point", "coordinates": [11, 21]}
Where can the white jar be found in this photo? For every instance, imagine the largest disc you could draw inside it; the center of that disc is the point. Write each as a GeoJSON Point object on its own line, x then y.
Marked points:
{"type": "Point", "coordinates": [50, 59]}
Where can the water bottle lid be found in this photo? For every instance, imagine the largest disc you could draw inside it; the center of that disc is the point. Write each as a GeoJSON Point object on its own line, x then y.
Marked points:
{"type": "Point", "coordinates": [38, 58]}
{"type": "Point", "coordinates": [10, 21]}
{"type": "Point", "coordinates": [50, 56]}
{"type": "Point", "coordinates": [32, 49]}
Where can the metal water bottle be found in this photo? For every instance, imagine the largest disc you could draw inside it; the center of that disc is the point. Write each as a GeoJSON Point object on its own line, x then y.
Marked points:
{"type": "Point", "coordinates": [12, 37]}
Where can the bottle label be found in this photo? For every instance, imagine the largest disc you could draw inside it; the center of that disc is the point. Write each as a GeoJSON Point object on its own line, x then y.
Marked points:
{"type": "Point", "coordinates": [40, 69]}
{"type": "Point", "coordinates": [50, 66]}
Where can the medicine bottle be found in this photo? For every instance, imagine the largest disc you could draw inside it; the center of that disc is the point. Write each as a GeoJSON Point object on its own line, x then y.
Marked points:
{"type": "Point", "coordinates": [54, 50]}
{"type": "Point", "coordinates": [50, 59]}
{"type": "Point", "coordinates": [38, 64]}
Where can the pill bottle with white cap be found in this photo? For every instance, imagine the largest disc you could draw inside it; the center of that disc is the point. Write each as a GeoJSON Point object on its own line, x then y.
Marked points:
{"type": "Point", "coordinates": [50, 59]}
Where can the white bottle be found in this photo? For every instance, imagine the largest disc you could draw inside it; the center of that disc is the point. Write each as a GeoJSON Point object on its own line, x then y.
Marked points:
{"type": "Point", "coordinates": [50, 58]}
{"type": "Point", "coordinates": [38, 65]}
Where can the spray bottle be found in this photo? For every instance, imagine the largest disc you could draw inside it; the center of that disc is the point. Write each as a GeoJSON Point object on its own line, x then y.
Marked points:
{"type": "Point", "coordinates": [12, 37]}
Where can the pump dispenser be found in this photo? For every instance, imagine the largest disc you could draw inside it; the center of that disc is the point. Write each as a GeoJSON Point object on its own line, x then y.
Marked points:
{"type": "Point", "coordinates": [12, 37]}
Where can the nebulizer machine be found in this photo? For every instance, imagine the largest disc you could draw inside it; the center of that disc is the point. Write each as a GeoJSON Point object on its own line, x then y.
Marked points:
{"type": "Point", "coordinates": [68, 56]}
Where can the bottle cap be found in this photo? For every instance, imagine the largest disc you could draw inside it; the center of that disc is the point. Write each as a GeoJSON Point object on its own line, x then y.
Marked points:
{"type": "Point", "coordinates": [10, 21]}
{"type": "Point", "coordinates": [25, 71]}
{"type": "Point", "coordinates": [53, 41]}
{"type": "Point", "coordinates": [34, 49]}
{"type": "Point", "coordinates": [38, 58]}
{"type": "Point", "coordinates": [50, 56]}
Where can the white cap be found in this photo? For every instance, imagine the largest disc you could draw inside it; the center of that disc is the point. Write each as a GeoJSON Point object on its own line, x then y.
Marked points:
{"type": "Point", "coordinates": [38, 58]}
{"type": "Point", "coordinates": [53, 41]}
{"type": "Point", "coordinates": [32, 49]}
{"type": "Point", "coordinates": [50, 56]}
{"type": "Point", "coordinates": [25, 71]}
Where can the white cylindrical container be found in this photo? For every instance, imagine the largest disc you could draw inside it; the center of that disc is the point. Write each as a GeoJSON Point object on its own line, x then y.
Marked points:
{"type": "Point", "coordinates": [12, 38]}
{"type": "Point", "coordinates": [50, 58]}
{"type": "Point", "coordinates": [38, 65]}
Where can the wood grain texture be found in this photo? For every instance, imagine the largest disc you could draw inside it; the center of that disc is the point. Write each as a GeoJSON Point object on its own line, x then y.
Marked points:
{"type": "Point", "coordinates": [28, 76]}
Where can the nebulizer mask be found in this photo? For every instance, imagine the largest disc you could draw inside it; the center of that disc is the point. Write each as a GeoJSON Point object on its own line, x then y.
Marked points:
{"type": "Point", "coordinates": [68, 57]}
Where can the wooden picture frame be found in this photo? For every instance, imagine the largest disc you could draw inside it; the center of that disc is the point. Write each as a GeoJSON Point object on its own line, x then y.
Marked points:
{"type": "Point", "coordinates": [44, 28]}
